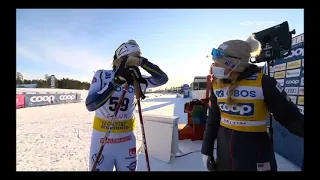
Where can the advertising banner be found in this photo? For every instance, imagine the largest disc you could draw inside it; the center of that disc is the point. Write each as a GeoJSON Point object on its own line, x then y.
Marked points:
{"type": "Point", "coordinates": [289, 72]}
{"type": "Point", "coordinates": [66, 98]}
{"type": "Point", "coordinates": [185, 90]}
{"type": "Point", "coordinates": [20, 101]}
{"type": "Point", "coordinates": [33, 100]}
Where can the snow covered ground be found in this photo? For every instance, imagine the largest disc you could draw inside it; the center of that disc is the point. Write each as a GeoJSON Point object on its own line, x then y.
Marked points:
{"type": "Point", "coordinates": [57, 137]}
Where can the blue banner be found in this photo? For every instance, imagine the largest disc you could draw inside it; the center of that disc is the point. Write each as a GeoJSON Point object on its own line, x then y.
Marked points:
{"type": "Point", "coordinates": [33, 100]}
{"type": "Point", "coordinates": [289, 72]}
{"type": "Point", "coordinates": [185, 91]}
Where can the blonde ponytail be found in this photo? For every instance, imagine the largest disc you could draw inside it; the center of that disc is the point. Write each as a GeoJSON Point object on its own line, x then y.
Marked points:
{"type": "Point", "coordinates": [234, 84]}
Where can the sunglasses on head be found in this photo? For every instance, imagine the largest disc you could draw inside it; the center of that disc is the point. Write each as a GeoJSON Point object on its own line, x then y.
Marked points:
{"type": "Point", "coordinates": [218, 54]}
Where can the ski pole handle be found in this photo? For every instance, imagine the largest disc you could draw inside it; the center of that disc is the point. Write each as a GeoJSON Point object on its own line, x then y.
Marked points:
{"type": "Point", "coordinates": [137, 87]}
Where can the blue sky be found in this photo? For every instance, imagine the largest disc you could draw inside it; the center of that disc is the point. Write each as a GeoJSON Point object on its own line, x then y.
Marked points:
{"type": "Point", "coordinates": [74, 43]}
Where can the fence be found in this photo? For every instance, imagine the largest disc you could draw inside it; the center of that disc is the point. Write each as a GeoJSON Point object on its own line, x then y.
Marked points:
{"type": "Point", "coordinates": [36, 99]}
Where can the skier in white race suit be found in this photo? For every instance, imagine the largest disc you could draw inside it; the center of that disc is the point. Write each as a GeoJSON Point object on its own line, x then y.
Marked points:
{"type": "Point", "coordinates": [104, 94]}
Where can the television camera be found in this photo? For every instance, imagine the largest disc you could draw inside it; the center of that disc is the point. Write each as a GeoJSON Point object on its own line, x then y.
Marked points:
{"type": "Point", "coordinates": [275, 43]}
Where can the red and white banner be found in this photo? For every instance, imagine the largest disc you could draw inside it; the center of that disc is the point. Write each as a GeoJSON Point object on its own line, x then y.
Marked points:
{"type": "Point", "coordinates": [20, 101]}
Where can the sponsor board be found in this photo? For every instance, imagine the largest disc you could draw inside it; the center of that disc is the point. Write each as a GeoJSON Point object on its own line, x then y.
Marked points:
{"type": "Point", "coordinates": [293, 99]}
{"type": "Point", "coordinates": [67, 97]}
{"type": "Point", "coordinates": [280, 82]}
{"type": "Point", "coordinates": [32, 100]}
{"type": "Point", "coordinates": [296, 53]}
{"type": "Point", "coordinates": [41, 98]}
{"type": "Point", "coordinates": [300, 100]}
{"type": "Point", "coordinates": [20, 101]}
{"type": "Point", "coordinates": [293, 73]}
{"type": "Point", "coordinates": [301, 108]}
{"type": "Point", "coordinates": [279, 67]}
{"type": "Point", "coordinates": [291, 90]}
{"type": "Point", "coordinates": [292, 82]}
{"type": "Point", "coordinates": [271, 74]}
{"type": "Point", "coordinates": [289, 146]}
{"type": "Point", "coordinates": [301, 91]}
{"type": "Point", "coordinates": [279, 87]}
{"type": "Point", "coordinates": [302, 81]}
{"type": "Point", "coordinates": [280, 75]}
{"type": "Point", "coordinates": [271, 69]}
{"type": "Point", "coordinates": [298, 39]}
{"type": "Point", "coordinates": [294, 64]}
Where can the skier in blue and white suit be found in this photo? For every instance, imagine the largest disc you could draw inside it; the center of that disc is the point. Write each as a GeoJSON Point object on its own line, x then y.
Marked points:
{"type": "Point", "coordinates": [104, 93]}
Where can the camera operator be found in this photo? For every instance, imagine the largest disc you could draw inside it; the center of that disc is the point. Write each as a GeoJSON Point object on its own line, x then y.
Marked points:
{"type": "Point", "coordinates": [240, 106]}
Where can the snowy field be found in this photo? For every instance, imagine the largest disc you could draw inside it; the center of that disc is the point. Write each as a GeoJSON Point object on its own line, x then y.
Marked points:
{"type": "Point", "coordinates": [57, 137]}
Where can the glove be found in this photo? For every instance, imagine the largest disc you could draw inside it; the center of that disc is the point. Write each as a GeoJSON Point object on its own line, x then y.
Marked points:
{"type": "Point", "coordinates": [209, 162]}
{"type": "Point", "coordinates": [134, 61]}
{"type": "Point", "coordinates": [126, 74]}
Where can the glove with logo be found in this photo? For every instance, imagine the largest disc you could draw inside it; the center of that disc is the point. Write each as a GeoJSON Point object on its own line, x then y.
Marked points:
{"type": "Point", "coordinates": [209, 162]}
{"type": "Point", "coordinates": [128, 74]}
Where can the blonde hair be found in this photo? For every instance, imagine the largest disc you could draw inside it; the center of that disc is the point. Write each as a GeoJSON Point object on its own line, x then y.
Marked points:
{"type": "Point", "coordinates": [233, 85]}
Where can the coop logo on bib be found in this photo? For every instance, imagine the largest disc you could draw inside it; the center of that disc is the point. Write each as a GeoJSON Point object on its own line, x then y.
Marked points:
{"type": "Point", "coordinates": [243, 109]}
{"type": "Point", "coordinates": [120, 88]}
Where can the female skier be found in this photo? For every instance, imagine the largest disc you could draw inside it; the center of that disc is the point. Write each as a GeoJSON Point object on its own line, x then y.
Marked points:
{"type": "Point", "coordinates": [104, 93]}
{"type": "Point", "coordinates": [241, 98]}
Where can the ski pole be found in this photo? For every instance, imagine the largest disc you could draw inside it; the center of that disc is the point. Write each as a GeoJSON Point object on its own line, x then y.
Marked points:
{"type": "Point", "coordinates": [137, 91]}
{"type": "Point", "coordinates": [110, 127]}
